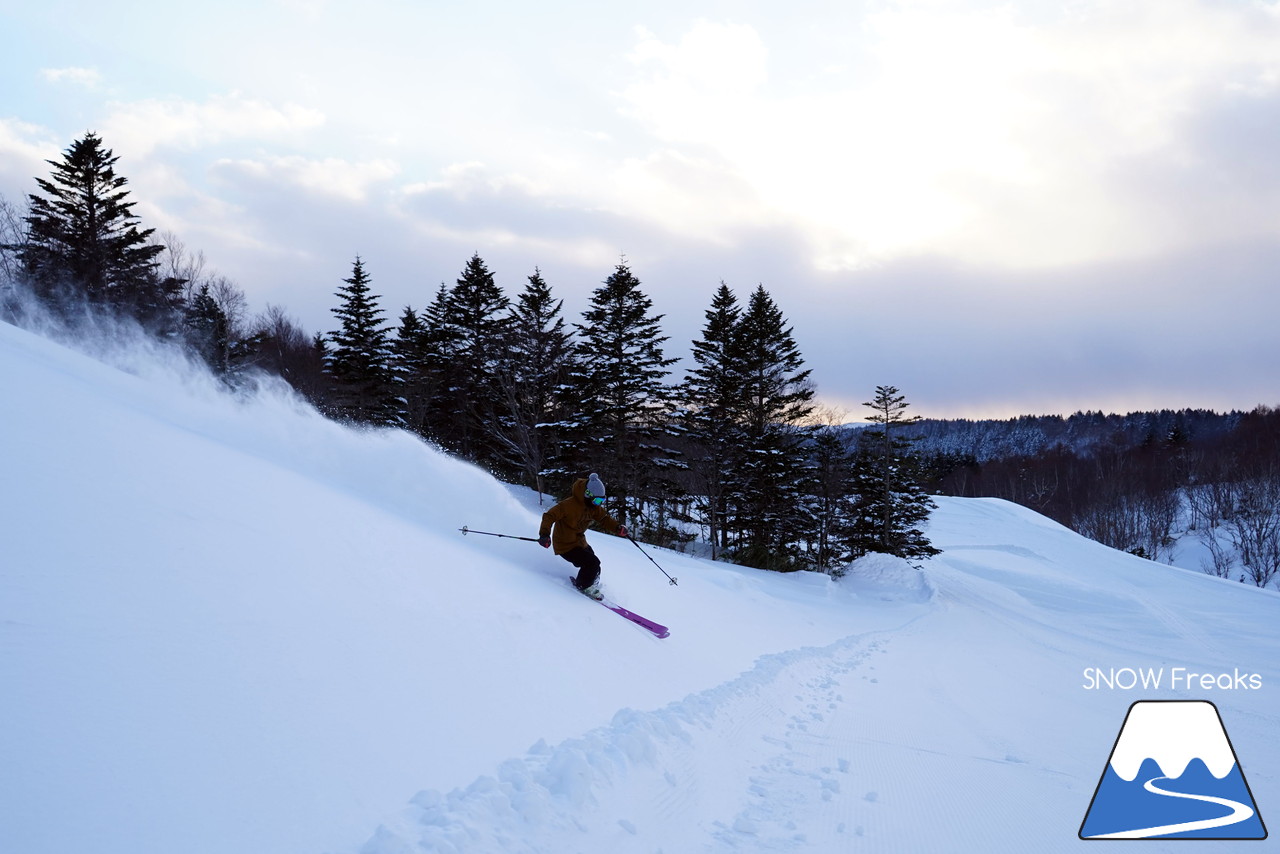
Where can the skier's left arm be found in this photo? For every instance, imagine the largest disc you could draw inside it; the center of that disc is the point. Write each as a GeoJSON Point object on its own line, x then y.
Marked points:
{"type": "Point", "coordinates": [611, 524]}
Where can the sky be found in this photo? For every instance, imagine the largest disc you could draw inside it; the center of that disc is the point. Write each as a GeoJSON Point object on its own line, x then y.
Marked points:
{"type": "Point", "coordinates": [998, 208]}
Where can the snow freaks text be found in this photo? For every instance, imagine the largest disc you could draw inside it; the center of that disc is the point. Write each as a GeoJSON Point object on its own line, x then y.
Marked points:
{"type": "Point", "coordinates": [1171, 678]}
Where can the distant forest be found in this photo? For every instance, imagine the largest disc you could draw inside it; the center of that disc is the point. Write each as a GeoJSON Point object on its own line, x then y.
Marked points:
{"type": "Point", "coordinates": [1131, 481]}
{"type": "Point", "coordinates": [733, 459]}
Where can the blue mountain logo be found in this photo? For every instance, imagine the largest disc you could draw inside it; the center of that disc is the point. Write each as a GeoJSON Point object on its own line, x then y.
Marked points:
{"type": "Point", "coordinates": [1172, 774]}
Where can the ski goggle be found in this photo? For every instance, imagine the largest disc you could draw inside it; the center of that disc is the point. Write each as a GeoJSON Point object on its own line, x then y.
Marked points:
{"type": "Point", "coordinates": [597, 500]}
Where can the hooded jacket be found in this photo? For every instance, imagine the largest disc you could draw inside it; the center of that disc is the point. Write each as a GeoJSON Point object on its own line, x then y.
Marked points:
{"type": "Point", "coordinates": [568, 521]}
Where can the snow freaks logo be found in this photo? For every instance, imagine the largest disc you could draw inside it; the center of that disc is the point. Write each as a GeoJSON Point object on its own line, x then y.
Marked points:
{"type": "Point", "coordinates": [1172, 774]}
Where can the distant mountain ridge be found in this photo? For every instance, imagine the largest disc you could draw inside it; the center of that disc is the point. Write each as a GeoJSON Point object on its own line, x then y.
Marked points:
{"type": "Point", "coordinates": [1082, 433]}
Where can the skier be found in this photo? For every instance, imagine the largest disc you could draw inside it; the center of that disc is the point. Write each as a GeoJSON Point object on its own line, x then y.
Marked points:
{"type": "Point", "coordinates": [565, 525]}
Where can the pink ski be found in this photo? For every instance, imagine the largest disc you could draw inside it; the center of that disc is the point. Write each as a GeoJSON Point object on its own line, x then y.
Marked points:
{"type": "Point", "coordinates": [658, 629]}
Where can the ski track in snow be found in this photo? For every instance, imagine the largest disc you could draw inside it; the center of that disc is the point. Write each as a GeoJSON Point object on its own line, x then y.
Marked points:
{"type": "Point", "coordinates": [774, 730]}
{"type": "Point", "coordinates": [797, 754]}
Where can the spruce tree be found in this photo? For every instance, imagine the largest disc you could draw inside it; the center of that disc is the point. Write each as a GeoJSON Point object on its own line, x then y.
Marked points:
{"type": "Point", "coordinates": [409, 369]}
{"type": "Point", "coordinates": [890, 504]}
{"type": "Point", "coordinates": [830, 485]}
{"type": "Point", "coordinates": [208, 331]}
{"type": "Point", "coordinates": [539, 363]}
{"type": "Point", "coordinates": [474, 330]}
{"type": "Point", "coordinates": [434, 371]}
{"type": "Point", "coordinates": [711, 399]}
{"type": "Point", "coordinates": [777, 399]}
{"type": "Point", "coordinates": [358, 359]}
{"type": "Point", "coordinates": [84, 243]}
{"type": "Point", "coordinates": [622, 400]}
{"type": "Point", "coordinates": [323, 392]}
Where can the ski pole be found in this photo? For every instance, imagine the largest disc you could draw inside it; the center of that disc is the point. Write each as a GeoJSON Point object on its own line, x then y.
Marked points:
{"type": "Point", "coordinates": [465, 530]}
{"type": "Point", "coordinates": [651, 560]}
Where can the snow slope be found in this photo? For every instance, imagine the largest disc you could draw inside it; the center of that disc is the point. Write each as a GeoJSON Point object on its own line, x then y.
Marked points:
{"type": "Point", "coordinates": [228, 626]}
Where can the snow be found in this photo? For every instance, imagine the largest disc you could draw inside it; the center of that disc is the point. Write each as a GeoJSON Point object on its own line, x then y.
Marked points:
{"type": "Point", "coordinates": [228, 625]}
{"type": "Point", "coordinates": [889, 578]}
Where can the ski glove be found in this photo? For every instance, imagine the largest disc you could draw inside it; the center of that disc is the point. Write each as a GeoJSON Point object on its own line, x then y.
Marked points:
{"type": "Point", "coordinates": [545, 542]}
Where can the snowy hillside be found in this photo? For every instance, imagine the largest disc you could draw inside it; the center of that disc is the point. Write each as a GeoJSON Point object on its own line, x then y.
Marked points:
{"type": "Point", "coordinates": [230, 626]}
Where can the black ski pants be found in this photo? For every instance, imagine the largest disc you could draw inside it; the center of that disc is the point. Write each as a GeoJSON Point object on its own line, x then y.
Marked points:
{"type": "Point", "coordinates": [587, 563]}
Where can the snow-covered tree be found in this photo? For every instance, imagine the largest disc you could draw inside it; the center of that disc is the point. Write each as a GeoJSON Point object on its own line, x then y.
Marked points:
{"type": "Point", "coordinates": [358, 359]}
{"type": "Point", "coordinates": [889, 506]}
{"type": "Point", "coordinates": [829, 487]}
{"type": "Point", "coordinates": [538, 363]}
{"type": "Point", "coordinates": [208, 332]}
{"type": "Point", "coordinates": [471, 329]}
{"type": "Point", "coordinates": [409, 367]}
{"type": "Point", "coordinates": [621, 399]}
{"type": "Point", "coordinates": [432, 379]}
{"type": "Point", "coordinates": [710, 416]}
{"type": "Point", "coordinates": [776, 401]}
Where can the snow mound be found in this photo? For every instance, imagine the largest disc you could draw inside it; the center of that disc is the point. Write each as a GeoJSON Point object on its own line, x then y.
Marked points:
{"type": "Point", "coordinates": [889, 578]}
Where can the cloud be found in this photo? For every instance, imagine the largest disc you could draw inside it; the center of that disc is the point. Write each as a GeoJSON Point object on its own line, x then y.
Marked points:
{"type": "Point", "coordinates": [140, 127]}
{"type": "Point", "coordinates": [689, 89]}
{"type": "Point", "coordinates": [89, 78]}
{"type": "Point", "coordinates": [1192, 328]}
{"type": "Point", "coordinates": [861, 162]}
{"type": "Point", "coordinates": [332, 176]}
{"type": "Point", "coordinates": [470, 204]}
{"type": "Point", "coordinates": [999, 135]}
{"type": "Point", "coordinates": [24, 148]}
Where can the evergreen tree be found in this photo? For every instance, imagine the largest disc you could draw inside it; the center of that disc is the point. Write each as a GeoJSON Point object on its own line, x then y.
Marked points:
{"type": "Point", "coordinates": [359, 358]}
{"type": "Point", "coordinates": [208, 331]}
{"type": "Point", "coordinates": [539, 362]}
{"type": "Point", "coordinates": [622, 400]}
{"type": "Point", "coordinates": [473, 333]}
{"type": "Point", "coordinates": [830, 487]}
{"type": "Point", "coordinates": [711, 416]}
{"type": "Point", "coordinates": [890, 505]}
{"type": "Point", "coordinates": [405, 363]}
{"type": "Point", "coordinates": [323, 392]}
{"type": "Point", "coordinates": [776, 401]}
{"type": "Point", "coordinates": [430, 381]}
{"type": "Point", "coordinates": [83, 241]}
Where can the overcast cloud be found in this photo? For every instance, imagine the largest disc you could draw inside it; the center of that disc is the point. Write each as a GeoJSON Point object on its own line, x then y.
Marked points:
{"type": "Point", "coordinates": [998, 208]}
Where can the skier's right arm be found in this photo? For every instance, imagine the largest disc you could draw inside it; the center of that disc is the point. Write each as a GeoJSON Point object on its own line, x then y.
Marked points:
{"type": "Point", "coordinates": [544, 530]}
